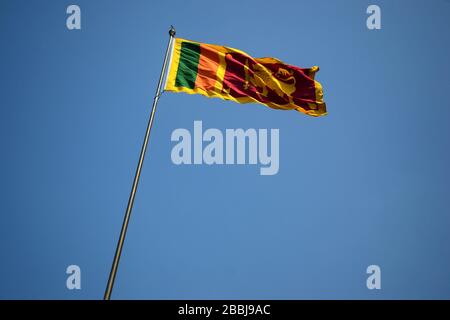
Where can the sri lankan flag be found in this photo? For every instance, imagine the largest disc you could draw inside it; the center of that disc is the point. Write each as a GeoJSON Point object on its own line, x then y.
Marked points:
{"type": "Point", "coordinates": [231, 74]}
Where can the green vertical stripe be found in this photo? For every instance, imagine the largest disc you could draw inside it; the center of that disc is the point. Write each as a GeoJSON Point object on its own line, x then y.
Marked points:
{"type": "Point", "coordinates": [188, 66]}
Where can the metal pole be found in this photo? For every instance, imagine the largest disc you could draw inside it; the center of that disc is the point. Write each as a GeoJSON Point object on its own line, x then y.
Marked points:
{"type": "Point", "coordinates": [123, 232]}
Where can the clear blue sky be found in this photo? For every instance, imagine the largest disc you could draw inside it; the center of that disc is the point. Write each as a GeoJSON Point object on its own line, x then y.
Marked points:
{"type": "Point", "coordinates": [368, 184]}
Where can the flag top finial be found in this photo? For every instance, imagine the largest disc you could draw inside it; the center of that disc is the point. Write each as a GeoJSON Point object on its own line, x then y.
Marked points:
{"type": "Point", "coordinates": [172, 31]}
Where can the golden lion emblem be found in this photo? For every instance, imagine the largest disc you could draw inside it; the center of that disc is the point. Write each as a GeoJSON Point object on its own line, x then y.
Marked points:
{"type": "Point", "coordinates": [281, 82]}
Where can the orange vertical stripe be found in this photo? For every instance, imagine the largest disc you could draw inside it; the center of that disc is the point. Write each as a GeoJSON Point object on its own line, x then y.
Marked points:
{"type": "Point", "coordinates": [207, 67]}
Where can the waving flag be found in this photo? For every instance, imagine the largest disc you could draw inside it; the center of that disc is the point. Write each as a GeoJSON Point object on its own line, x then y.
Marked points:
{"type": "Point", "coordinates": [231, 74]}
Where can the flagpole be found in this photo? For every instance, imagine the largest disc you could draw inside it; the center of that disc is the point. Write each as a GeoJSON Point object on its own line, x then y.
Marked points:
{"type": "Point", "coordinates": [123, 231]}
